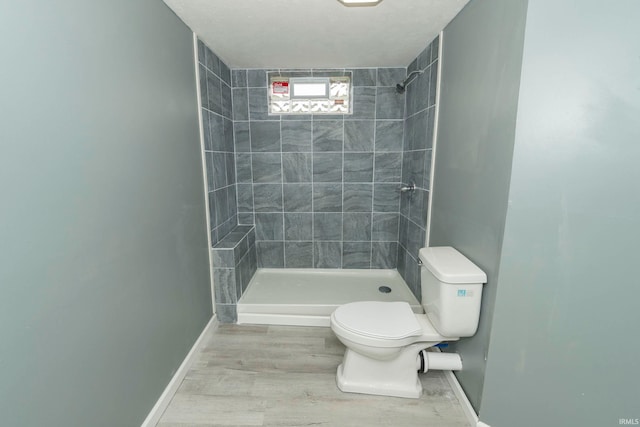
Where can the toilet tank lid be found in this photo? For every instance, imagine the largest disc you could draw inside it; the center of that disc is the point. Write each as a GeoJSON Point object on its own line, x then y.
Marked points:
{"type": "Point", "coordinates": [450, 266]}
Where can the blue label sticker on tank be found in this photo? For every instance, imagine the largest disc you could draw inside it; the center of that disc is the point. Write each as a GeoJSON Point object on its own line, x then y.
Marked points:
{"type": "Point", "coordinates": [462, 292]}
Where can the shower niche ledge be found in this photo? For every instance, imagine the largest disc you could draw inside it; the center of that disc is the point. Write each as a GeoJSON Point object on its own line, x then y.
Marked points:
{"type": "Point", "coordinates": [307, 297]}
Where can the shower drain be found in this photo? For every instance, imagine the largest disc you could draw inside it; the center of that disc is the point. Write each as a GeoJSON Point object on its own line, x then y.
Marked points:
{"type": "Point", "coordinates": [384, 289]}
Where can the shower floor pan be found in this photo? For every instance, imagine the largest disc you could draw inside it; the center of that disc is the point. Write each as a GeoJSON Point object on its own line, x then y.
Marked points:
{"type": "Point", "coordinates": [307, 297]}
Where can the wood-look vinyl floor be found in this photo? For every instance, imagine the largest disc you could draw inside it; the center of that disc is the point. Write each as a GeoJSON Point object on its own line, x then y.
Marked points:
{"type": "Point", "coordinates": [285, 376]}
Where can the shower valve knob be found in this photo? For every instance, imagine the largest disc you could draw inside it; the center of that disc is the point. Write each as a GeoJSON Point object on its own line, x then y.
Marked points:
{"type": "Point", "coordinates": [407, 187]}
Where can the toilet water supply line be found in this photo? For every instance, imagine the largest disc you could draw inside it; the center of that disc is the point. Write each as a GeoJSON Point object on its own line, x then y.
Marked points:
{"type": "Point", "coordinates": [441, 361]}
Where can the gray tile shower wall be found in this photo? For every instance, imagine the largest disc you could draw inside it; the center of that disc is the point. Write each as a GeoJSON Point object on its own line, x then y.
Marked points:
{"type": "Point", "coordinates": [416, 162]}
{"type": "Point", "coordinates": [217, 122]}
{"type": "Point", "coordinates": [234, 250]}
{"type": "Point", "coordinates": [321, 190]}
{"type": "Point", "coordinates": [234, 262]}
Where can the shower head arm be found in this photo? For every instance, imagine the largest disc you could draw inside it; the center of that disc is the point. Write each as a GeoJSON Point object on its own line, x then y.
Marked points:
{"type": "Point", "coordinates": [400, 87]}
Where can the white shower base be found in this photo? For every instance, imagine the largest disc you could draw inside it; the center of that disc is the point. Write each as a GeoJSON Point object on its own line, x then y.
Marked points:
{"type": "Point", "coordinates": [307, 297]}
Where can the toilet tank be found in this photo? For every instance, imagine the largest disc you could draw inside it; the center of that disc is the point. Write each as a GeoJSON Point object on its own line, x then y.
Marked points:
{"type": "Point", "coordinates": [451, 291]}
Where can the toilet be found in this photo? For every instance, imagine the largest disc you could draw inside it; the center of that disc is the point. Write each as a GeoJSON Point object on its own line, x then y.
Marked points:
{"type": "Point", "coordinates": [386, 340]}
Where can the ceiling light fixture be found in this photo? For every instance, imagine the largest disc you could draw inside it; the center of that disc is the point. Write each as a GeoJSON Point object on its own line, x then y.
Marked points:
{"type": "Point", "coordinates": [360, 2]}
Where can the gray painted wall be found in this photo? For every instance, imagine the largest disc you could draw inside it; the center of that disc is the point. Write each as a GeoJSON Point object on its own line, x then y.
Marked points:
{"type": "Point", "coordinates": [104, 278]}
{"type": "Point", "coordinates": [564, 348]}
{"type": "Point", "coordinates": [481, 59]}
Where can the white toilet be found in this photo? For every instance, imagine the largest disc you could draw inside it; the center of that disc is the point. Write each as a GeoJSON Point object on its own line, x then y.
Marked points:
{"type": "Point", "coordinates": [385, 340]}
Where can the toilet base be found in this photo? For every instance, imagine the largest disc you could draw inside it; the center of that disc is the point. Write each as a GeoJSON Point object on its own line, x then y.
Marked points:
{"type": "Point", "coordinates": [397, 377]}
{"type": "Point", "coordinates": [348, 385]}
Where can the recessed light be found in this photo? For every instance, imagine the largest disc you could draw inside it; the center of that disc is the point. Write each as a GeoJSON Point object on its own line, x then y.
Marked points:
{"type": "Point", "coordinates": [360, 2]}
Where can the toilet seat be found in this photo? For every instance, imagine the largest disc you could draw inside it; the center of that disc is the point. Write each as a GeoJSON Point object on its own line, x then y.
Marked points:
{"type": "Point", "coordinates": [361, 322]}
{"type": "Point", "coordinates": [378, 320]}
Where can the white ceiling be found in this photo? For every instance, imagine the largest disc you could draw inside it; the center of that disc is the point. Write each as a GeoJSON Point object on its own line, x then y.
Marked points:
{"type": "Point", "coordinates": [316, 33]}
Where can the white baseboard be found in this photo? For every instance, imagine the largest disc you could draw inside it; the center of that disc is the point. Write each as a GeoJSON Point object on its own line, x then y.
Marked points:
{"type": "Point", "coordinates": [468, 410]}
{"type": "Point", "coordinates": [166, 396]}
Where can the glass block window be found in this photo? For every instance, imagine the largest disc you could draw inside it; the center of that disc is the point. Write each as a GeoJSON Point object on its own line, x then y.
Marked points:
{"type": "Point", "coordinates": [310, 95]}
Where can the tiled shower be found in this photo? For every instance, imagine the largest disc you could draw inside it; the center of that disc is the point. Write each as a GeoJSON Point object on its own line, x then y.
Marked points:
{"type": "Point", "coordinates": [321, 189]}
{"type": "Point", "coordinates": [316, 191]}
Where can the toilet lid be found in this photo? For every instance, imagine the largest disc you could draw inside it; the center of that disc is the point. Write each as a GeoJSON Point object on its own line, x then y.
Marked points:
{"type": "Point", "coordinates": [387, 320]}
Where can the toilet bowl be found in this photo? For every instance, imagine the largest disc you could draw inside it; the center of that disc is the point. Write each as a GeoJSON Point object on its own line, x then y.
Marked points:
{"type": "Point", "coordinates": [380, 329]}
{"type": "Point", "coordinates": [383, 339]}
